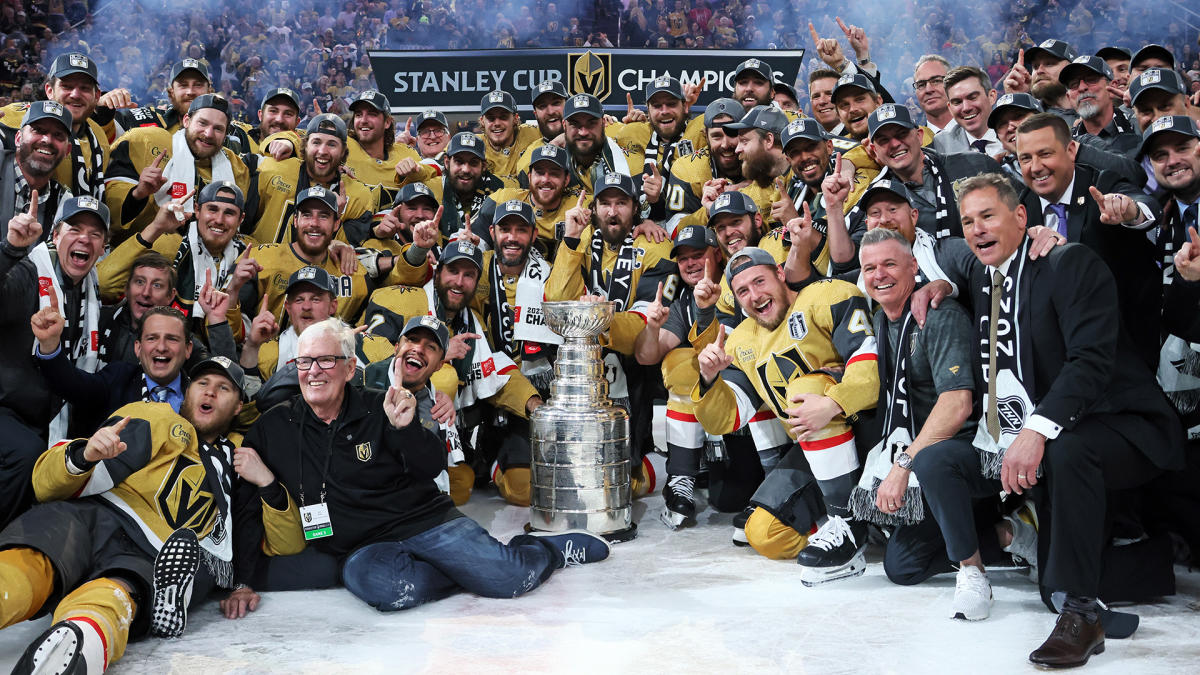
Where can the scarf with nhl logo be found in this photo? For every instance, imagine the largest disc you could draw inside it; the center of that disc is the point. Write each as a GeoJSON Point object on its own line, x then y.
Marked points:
{"type": "Point", "coordinates": [1011, 383]}
{"type": "Point", "coordinates": [897, 434]}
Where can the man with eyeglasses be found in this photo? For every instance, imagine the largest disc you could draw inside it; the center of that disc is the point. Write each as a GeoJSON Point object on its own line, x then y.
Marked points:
{"type": "Point", "coordinates": [364, 485]}
{"type": "Point", "coordinates": [929, 84]}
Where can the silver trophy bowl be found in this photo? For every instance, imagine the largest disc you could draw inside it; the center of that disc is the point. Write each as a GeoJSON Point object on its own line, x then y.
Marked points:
{"type": "Point", "coordinates": [576, 319]}
{"type": "Point", "coordinates": [580, 474]}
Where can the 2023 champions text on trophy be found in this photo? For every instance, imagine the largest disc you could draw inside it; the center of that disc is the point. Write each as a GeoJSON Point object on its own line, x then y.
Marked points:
{"type": "Point", "coordinates": [580, 440]}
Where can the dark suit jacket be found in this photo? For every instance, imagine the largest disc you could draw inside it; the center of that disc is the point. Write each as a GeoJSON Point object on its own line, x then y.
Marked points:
{"type": "Point", "coordinates": [1080, 361]}
{"type": "Point", "coordinates": [93, 396]}
{"type": "Point", "coordinates": [1130, 256]}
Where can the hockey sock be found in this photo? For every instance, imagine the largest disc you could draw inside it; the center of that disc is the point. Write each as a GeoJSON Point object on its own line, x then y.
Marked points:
{"type": "Point", "coordinates": [27, 579]}
{"type": "Point", "coordinates": [836, 492]}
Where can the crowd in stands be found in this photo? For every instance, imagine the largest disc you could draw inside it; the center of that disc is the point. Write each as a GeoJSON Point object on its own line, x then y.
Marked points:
{"type": "Point", "coordinates": [320, 48]}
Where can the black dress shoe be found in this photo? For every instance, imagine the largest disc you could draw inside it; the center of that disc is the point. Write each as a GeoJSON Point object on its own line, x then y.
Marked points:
{"type": "Point", "coordinates": [1071, 643]}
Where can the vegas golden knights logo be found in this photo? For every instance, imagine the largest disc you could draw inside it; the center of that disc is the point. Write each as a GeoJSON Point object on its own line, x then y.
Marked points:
{"type": "Point", "coordinates": [363, 451]}
{"type": "Point", "coordinates": [590, 73]}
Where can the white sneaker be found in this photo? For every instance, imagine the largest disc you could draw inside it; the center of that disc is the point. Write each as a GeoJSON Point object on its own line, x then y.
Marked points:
{"type": "Point", "coordinates": [972, 594]}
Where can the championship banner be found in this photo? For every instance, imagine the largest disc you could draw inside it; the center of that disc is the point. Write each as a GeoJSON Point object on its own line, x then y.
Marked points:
{"type": "Point", "coordinates": [455, 81]}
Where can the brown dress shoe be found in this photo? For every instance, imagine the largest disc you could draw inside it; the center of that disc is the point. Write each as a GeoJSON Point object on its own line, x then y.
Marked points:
{"type": "Point", "coordinates": [1071, 643]}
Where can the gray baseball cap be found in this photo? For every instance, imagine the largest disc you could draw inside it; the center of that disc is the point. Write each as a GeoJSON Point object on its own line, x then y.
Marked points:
{"type": "Point", "coordinates": [723, 106]}
{"type": "Point", "coordinates": [751, 256]}
{"type": "Point", "coordinates": [765, 117]}
{"type": "Point", "coordinates": [212, 193]}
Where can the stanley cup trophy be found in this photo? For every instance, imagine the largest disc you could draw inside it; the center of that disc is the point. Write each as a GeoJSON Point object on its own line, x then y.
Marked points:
{"type": "Point", "coordinates": [580, 440]}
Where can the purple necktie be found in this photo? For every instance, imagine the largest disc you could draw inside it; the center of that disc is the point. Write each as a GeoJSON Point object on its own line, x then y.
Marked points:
{"type": "Point", "coordinates": [1059, 211]}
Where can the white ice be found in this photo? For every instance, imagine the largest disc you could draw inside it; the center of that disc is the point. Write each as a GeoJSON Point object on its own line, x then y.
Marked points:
{"type": "Point", "coordinates": [685, 601]}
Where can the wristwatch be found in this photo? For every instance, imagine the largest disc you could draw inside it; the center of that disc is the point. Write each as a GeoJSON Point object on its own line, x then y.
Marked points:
{"type": "Point", "coordinates": [904, 460]}
{"type": "Point", "coordinates": [864, 60]}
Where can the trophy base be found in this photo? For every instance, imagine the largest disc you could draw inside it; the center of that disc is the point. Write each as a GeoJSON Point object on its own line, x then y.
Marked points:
{"type": "Point", "coordinates": [618, 537]}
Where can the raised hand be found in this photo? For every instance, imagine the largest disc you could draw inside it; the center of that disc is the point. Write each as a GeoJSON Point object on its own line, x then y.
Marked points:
{"type": "Point", "coordinates": [151, 179]}
{"type": "Point", "coordinates": [1018, 78]}
{"type": "Point", "coordinates": [857, 38]}
{"type": "Point", "coordinates": [23, 228]}
{"type": "Point", "coordinates": [117, 98]}
{"type": "Point", "coordinates": [800, 230]}
{"type": "Point", "coordinates": [1187, 260]}
{"type": "Point", "coordinates": [342, 198]}
{"type": "Point", "coordinates": [836, 187]}
{"type": "Point", "coordinates": [1115, 208]}
{"type": "Point", "coordinates": [425, 233]}
{"type": "Point", "coordinates": [264, 326]}
{"type": "Point", "coordinates": [652, 184]}
{"type": "Point", "coordinates": [169, 217]}
{"type": "Point", "coordinates": [247, 269]}
{"type": "Point", "coordinates": [713, 359]}
{"type": "Point", "coordinates": [106, 443]}
{"type": "Point", "coordinates": [47, 324]}
{"type": "Point", "coordinates": [578, 218]}
{"type": "Point", "coordinates": [213, 301]}
{"type": "Point", "coordinates": [691, 94]}
{"type": "Point", "coordinates": [632, 114]}
{"type": "Point", "coordinates": [785, 209]}
{"type": "Point", "coordinates": [460, 346]}
{"type": "Point", "coordinates": [400, 406]}
{"type": "Point", "coordinates": [827, 48]}
{"type": "Point", "coordinates": [404, 135]}
{"type": "Point", "coordinates": [706, 291]}
{"type": "Point", "coordinates": [656, 314]}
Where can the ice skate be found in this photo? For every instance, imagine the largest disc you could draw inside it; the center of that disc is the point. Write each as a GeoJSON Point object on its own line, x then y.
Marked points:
{"type": "Point", "coordinates": [739, 526]}
{"type": "Point", "coordinates": [834, 552]}
{"type": "Point", "coordinates": [58, 651]}
{"type": "Point", "coordinates": [174, 572]}
{"type": "Point", "coordinates": [679, 502]}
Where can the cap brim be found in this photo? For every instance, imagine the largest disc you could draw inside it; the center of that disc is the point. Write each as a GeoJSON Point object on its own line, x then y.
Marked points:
{"type": "Point", "coordinates": [74, 71]}
{"type": "Point", "coordinates": [1066, 73]}
{"type": "Point", "coordinates": [497, 105]}
{"type": "Point", "coordinates": [589, 113]}
{"type": "Point", "coordinates": [206, 367]}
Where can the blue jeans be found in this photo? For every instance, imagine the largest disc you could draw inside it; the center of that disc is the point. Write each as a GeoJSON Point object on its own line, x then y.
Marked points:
{"type": "Point", "coordinates": [453, 556]}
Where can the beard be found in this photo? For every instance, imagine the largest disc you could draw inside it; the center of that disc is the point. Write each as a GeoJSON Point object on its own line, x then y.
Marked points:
{"type": "Point", "coordinates": [213, 427]}
{"type": "Point", "coordinates": [1048, 92]}
{"type": "Point", "coordinates": [761, 169]}
{"type": "Point", "coordinates": [1088, 109]}
{"type": "Point", "coordinates": [517, 260]}
{"type": "Point", "coordinates": [37, 165]}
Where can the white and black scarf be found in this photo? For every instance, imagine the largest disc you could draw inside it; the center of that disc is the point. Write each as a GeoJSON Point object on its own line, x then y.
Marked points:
{"type": "Point", "coordinates": [945, 210]}
{"type": "Point", "coordinates": [202, 261]}
{"type": "Point", "coordinates": [87, 178]}
{"type": "Point", "coordinates": [217, 547]}
{"type": "Point", "coordinates": [611, 160]}
{"type": "Point", "coordinates": [898, 434]}
{"type": "Point", "coordinates": [180, 172]}
{"type": "Point", "coordinates": [619, 288]}
{"type": "Point", "coordinates": [1014, 405]}
{"type": "Point", "coordinates": [511, 325]}
{"type": "Point", "coordinates": [84, 351]}
{"type": "Point", "coordinates": [673, 150]}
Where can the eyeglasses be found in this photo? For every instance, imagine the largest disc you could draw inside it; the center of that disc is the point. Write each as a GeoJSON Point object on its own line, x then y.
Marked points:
{"type": "Point", "coordinates": [323, 362]}
{"type": "Point", "coordinates": [920, 85]}
{"type": "Point", "coordinates": [431, 132]}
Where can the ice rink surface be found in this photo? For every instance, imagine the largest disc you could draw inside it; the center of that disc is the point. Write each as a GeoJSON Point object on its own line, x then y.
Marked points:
{"type": "Point", "coordinates": [686, 601]}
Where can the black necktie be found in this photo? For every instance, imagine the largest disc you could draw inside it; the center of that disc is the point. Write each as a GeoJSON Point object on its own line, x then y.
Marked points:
{"type": "Point", "coordinates": [1190, 217]}
{"type": "Point", "coordinates": [980, 146]}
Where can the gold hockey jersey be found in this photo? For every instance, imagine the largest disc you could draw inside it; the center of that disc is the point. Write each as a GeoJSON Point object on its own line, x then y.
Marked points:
{"type": "Point", "coordinates": [135, 151]}
{"type": "Point", "coordinates": [278, 185]}
{"type": "Point", "coordinates": [14, 113]}
{"type": "Point", "coordinates": [504, 162]}
{"type": "Point", "coordinates": [279, 262]}
{"type": "Point", "coordinates": [827, 334]}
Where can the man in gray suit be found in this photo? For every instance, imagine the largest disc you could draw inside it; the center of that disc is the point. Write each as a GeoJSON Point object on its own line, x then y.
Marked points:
{"type": "Point", "coordinates": [971, 97]}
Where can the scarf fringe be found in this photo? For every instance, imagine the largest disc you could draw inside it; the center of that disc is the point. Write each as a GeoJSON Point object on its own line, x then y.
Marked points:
{"type": "Point", "coordinates": [862, 505]}
{"type": "Point", "coordinates": [990, 463]}
{"type": "Point", "coordinates": [221, 570]}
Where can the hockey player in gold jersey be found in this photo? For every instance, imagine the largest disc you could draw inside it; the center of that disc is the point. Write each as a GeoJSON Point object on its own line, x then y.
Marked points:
{"type": "Point", "coordinates": [72, 83]}
{"type": "Point", "coordinates": [718, 160]}
{"type": "Point", "coordinates": [549, 194]}
{"type": "Point", "coordinates": [504, 136]}
{"type": "Point", "coordinates": [150, 166]}
{"type": "Point", "coordinates": [324, 154]}
{"type": "Point", "coordinates": [316, 226]}
{"type": "Point", "coordinates": [377, 160]}
{"type": "Point", "coordinates": [810, 355]}
{"type": "Point", "coordinates": [149, 483]}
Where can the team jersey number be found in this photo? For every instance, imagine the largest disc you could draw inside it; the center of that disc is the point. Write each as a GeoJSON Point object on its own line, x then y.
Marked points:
{"type": "Point", "coordinates": [675, 198]}
{"type": "Point", "coordinates": [859, 323]}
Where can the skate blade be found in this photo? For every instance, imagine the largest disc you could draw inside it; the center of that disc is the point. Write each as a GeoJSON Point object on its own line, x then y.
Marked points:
{"type": "Point", "coordinates": [672, 519]}
{"type": "Point", "coordinates": [56, 655]}
{"type": "Point", "coordinates": [817, 576]}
